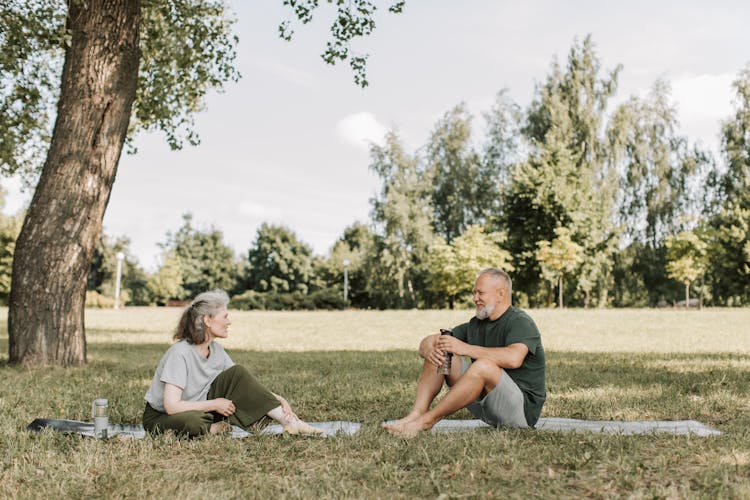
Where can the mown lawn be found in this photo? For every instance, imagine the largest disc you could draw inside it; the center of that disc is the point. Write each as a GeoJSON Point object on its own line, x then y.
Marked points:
{"type": "Point", "coordinates": [361, 366]}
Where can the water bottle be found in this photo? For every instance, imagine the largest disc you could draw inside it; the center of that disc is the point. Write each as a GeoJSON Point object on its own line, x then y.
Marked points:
{"type": "Point", "coordinates": [100, 414]}
{"type": "Point", "coordinates": [445, 367]}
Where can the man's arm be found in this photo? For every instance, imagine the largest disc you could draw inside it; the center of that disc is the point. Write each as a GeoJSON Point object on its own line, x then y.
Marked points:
{"type": "Point", "coordinates": [510, 357]}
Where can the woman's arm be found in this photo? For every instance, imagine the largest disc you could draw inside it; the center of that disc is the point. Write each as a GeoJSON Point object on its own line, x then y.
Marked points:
{"type": "Point", "coordinates": [173, 403]}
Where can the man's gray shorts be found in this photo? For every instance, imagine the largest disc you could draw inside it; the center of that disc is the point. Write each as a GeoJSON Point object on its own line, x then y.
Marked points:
{"type": "Point", "coordinates": [502, 406]}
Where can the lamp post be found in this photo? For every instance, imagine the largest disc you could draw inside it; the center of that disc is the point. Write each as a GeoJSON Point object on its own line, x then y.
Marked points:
{"type": "Point", "coordinates": [346, 279]}
{"type": "Point", "coordinates": [120, 256]}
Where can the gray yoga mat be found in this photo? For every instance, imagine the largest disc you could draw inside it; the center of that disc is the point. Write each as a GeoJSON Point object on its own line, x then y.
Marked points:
{"type": "Point", "coordinates": [136, 431]}
{"type": "Point", "coordinates": [330, 429]}
{"type": "Point", "coordinates": [604, 426]}
{"type": "Point", "coordinates": [350, 428]}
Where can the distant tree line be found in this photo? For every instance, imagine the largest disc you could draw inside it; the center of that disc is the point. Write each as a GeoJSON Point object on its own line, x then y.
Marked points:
{"type": "Point", "coordinates": [585, 204]}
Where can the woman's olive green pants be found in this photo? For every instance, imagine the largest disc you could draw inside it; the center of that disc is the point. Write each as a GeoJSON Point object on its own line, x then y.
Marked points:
{"type": "Point", "coordinates": [251, 401]}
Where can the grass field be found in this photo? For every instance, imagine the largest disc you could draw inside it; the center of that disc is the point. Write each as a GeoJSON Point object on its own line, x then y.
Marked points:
{"type": "Point", "coordinates": [361, 366]}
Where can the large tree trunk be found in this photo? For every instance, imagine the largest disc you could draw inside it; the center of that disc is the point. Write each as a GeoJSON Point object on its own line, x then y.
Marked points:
{"type": "Point", "coordinates": [56, 244]}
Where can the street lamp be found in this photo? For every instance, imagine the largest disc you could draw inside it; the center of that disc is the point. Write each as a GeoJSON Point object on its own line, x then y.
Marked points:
{"type": "Point", "coordinates": [120, 256]}
{"type": "Point", "coordinates": [346, 279]}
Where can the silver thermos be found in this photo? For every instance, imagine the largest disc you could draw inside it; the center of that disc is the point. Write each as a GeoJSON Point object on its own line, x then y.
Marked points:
{"type": "Point", "coordinates": [445, 368]}
{"type": "Point", "coordinates": [100, 414]}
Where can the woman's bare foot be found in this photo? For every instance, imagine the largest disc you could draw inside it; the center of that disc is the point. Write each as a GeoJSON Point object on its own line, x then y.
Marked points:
{"type": "Point", "coordinates": [302, 428]}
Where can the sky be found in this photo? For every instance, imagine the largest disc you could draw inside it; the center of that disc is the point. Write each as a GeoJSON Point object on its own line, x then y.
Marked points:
{"type": "Point", "coordinates": [288, 144]}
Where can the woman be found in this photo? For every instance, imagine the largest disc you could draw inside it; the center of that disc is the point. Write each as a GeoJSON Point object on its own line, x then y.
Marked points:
{"type": "Point", "coordinates": [197, 389]}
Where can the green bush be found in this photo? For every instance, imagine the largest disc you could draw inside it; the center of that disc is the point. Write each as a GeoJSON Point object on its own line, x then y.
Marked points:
{"type": "Point", "coordinates": [96, 299]}
{"type": "Point", "coordinates": [292, 301]}
{"type": "Point", "coordinates": [327, 298]}
{"type": "Point", "coordinates": [248, 300]}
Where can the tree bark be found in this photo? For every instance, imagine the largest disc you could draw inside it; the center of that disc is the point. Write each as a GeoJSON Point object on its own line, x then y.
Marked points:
{"type": "Point", "coordinates": [57, 240]}
{"type": "Point", "coordinates": [603, 294]}
{"type": "Point", "coordinates": [560, 299]}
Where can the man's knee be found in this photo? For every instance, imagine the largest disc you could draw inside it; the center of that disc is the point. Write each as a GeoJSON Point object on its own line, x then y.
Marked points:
{"type": "Point", "coordinates": [487, 369]}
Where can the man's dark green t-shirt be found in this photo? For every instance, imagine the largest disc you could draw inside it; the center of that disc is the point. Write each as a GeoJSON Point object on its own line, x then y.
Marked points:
{"type": "Point", "coordinates": [513, 327]}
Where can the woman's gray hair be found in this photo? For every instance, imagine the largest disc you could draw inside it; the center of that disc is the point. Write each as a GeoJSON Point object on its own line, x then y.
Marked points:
{"type": "Point", "coordinates": [500, 275]}
{"type": "Point", "coordinates": [191, 326]}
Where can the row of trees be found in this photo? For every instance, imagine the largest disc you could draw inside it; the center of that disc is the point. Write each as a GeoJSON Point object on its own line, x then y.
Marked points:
{"type": "Point", "coordinates": [612, 197]}
{"type": "Point", "coordinates": [580, 202]}
{"type": "Point", "coordinates": [282, 272]}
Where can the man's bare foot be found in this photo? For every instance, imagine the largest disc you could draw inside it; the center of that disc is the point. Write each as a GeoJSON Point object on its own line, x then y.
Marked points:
{"type": "Point", "coordinates": [408, 418]}
{"type": "Point", "coordinates": [408, 429]}
{"type": "Point", "coordinates": [302, 428]}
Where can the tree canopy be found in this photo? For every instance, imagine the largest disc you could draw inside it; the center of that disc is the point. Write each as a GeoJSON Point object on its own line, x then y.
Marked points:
{"type": "Point", "coordinates": [278, 261]}
{"type": "Point", "coordinates": [205, 261]}
{"type": "Point", "coordinates": [187, 49]}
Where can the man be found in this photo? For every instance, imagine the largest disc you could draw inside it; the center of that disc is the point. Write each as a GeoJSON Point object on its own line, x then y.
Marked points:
{"type": "Point", "coordinates": [504, 382]}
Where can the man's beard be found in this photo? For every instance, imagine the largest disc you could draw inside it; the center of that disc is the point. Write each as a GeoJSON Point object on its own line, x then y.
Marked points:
{"type": "Point", "coordinates": [485, 312]}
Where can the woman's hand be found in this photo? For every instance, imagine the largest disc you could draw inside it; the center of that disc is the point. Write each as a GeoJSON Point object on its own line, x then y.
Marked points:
{"type": "Point", "coordinates": [224, 406]}
{"type": "Point", "coordinates": [286, 408]}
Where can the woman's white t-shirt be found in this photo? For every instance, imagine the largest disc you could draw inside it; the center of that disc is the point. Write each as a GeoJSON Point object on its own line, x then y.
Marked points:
{"type": "Point", "coordinates": [182, 365]}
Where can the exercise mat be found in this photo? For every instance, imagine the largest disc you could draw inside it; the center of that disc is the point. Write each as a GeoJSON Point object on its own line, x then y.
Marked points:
{"type": "Point", "coordinates": [604, 426]}
{"type": "Point", "coordinates": [85, 428]}
{"type": "Point", "coordinates": [136, 430]}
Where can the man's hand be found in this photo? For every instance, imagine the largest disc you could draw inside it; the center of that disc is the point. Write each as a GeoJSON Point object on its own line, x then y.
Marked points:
{"type": "Point", "coordinates": [435, 347]}
{"type": "Point", "coordinates": [435, 356]}
{"type": "Point", "coordinates": [448, 343]}
{"type": "Point", "coordinates": [223, 406]}
{"type": "Point", "coordinates": [429, 351]}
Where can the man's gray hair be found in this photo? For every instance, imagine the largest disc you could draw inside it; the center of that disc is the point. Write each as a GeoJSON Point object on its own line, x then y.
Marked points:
{"type": "Point", "coordinates": [499, 274]}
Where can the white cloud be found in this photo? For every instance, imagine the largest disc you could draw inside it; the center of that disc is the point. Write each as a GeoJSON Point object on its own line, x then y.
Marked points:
{"type": "Point", "coordinates": [361, 129]}
{"type": "Point", "coordinates": [16, 197]}
{"type": "Point", "coordinates": [293, 75]}
{"type": "Point", "coordinates": [254, 210]}
{"type": "Point", "coordinates": [706, 96]}
{"type": "Point", "coordinates": [703, 101]}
